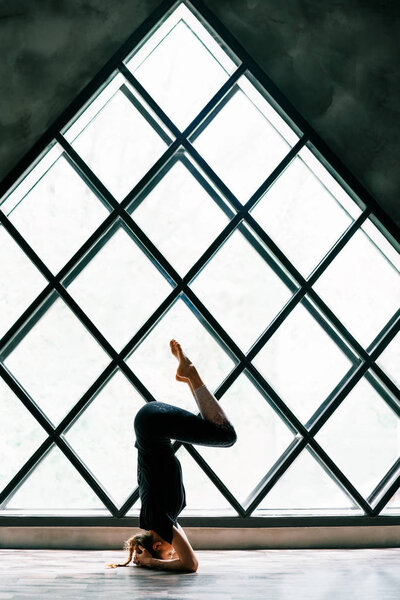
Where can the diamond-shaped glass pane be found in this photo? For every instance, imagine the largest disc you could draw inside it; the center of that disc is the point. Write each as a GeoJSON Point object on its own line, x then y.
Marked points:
{"type": "Point", "coordinates": [362, 285]}
{"type": "Point", "coordinates": [54, 485]}
{"type": "Point", "coordinates": [202, 496]}
{"type": "Point", "coordinates": [302, 363]}
{"type": "Point", "coordinates": [54, 210]}
{"type": "Point", "coordinates": [57, 361]}
{"type": "Point", "coordinates": [118, 138]}
{"type": "Point", "coordinates": [119, 289]}
{"type": "Point", "coordinates": [180, 217]}
{"type": "Point", "coordinates": [181, 66]}
{"type": "Point", "coordinates": [245, 140]}
{"type": "Point", "coordinates": [362, 437]}
{"type": "Point", "coordinates": [305, 212]}
{"type": "Point", "coordinates": [305, 486]}
{"type": "Point", "coordinates": [20, 281]}
{"type": "Point", "coordinates": [389, 360]}
{"type": "Point", "coordinates": [103, 437]}
{"type": "Point", "coordinates": [20, 434]}
{"type": "Point", "coordinates": [261, 439]}
{"type": "Point", "coordinates": [155, 366]}
{"type": "Point", "coordinates": [241, 290]}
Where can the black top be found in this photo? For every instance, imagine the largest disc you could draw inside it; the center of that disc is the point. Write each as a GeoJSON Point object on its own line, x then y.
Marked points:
{"type": "Point", "coordinates": [161, 489]}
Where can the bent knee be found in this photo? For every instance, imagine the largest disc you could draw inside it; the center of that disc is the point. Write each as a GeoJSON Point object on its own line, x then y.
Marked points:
{"type": "Point", "coordinates": [230, 435]}
{"type": "Point", "coordinates": [144, 416]}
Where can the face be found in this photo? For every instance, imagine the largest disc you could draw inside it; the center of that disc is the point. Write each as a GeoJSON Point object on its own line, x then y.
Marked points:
{"type": "Point", "coordinates": [165, 551]}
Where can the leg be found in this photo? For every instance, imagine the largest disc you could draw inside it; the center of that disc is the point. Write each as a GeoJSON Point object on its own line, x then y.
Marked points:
{"type": "Point", "coordinates": [157, 422]}
{"type": "Point", "coordinates": [209, 406]}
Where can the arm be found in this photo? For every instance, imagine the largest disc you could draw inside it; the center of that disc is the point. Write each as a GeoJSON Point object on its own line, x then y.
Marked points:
{"type": "Point", "coordinates": [187, 560]}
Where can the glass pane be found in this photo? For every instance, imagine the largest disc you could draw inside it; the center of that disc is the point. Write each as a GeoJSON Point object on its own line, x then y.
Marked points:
{"type": "Point", "coordinates": [56, 211]}
{"type": "Point", "coordinates": [181, 66]}
{"type": "Point", "coordinates": [262, 438]}
{"type": "Point", "coordinates": [241, 291]}
{"type": "Point", "coordinates": [393, 506]}
{"type": "Point", "coordinates": [202, 496]}
{"type": "Point", "coordinates": [55, 484]}
{"type": "Point", "coordinates": [362, 437]}
{"type": "Point", "coordinates": [20, 434]}
{"type": "Point", "coordinates": [118, 143]}
{"type": "Point", "coordinates": [119, 289]}
{"type": "Point", "coordinates": [180, 218]}
{"type": "Point", "coordinates": [155, 366]}
{"type": "Point", "coordinates": [20, 281]}
{"type": "Point", "coordinates": [57, 361]}
{"type": "Point", "coordinates": [103, 437]}
{"type": "Point", "coordinates": [361, 286]}
{"type": "Point", "coordinates": [245, 141]}
{"type": "Point", "coordinates": [302, 363]}
{"type": "Point", "coordinates": [305, 486]}
{"type": "Point", "coordinates": [305, 212]}
{"type": "Point", "coordinates": [389, 360]}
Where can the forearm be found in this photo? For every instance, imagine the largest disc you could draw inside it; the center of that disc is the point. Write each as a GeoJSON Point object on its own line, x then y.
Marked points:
{"type": "Point", "coordinates": [175, 564]}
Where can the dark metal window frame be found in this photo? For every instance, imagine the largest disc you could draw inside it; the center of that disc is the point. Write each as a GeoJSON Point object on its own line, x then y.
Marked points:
{"type": "Point", "coordinates": [180, 148]}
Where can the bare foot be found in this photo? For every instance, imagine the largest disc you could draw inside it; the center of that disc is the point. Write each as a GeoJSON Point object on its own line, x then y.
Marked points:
{"type": "Point", "coordinates": [185, 366]}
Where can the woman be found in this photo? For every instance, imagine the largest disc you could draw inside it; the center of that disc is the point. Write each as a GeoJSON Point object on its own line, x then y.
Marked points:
{"type": "Point", "coordinates": [164, 545]}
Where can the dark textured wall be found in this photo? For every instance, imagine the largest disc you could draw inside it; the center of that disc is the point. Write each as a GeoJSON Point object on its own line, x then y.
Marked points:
{"type": "Point", "coordinates": [336, 60]}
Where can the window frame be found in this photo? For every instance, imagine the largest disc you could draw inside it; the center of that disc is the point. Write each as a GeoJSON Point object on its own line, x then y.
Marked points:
{"type": "Point", "coordinates": [241, 219]}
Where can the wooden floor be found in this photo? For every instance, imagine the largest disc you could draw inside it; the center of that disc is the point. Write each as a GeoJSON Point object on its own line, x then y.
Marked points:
{"type": "Point", "coordinates": [222, 575]}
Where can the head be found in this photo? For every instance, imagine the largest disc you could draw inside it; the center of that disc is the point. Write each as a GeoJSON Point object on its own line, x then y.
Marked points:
{"type": "Point", "coordinates": [152, 542]}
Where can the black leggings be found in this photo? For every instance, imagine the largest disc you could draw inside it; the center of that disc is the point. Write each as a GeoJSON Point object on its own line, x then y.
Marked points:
{"type": "Point", "coordinates": [157, 422]}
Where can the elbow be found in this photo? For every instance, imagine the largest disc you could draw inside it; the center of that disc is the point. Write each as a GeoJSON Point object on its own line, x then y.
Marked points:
{"type": "Point", "coordinates": [191, 565]}
{"type": "Point", "coordinates": [194, 566]}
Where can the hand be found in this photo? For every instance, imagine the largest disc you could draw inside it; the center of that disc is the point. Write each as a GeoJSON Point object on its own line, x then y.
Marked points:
{"type": "Point", "coordinates": [142, 557]}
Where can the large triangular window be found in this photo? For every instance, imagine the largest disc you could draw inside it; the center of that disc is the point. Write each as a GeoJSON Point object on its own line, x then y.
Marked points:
{"type": "Point", "coordinates": [181, 196]}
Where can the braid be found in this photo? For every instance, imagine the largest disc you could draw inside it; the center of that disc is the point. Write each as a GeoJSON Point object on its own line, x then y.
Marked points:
{"type": "Point", "coordinates": [144, 539]}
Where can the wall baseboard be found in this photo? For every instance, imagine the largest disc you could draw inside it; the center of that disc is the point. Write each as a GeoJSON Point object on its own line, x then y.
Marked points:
{"type": "Point", "coordinates": [206, 538]}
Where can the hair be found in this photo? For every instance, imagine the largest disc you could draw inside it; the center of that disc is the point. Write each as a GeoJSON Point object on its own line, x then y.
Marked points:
{"type": "Point", "coordinates": [144, 539]}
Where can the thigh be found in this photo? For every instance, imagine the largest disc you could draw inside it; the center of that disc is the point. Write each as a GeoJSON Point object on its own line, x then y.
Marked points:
{"type": "Point", "coordinates": [159, 420]}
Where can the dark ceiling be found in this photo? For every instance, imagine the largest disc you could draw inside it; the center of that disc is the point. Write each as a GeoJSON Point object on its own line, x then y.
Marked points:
{"type": "Point", "coordinates": [336, 61]}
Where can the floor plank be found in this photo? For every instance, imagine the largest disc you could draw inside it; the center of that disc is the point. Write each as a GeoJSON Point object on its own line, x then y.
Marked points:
{"type": "Point", "coordinates": [222, 575]}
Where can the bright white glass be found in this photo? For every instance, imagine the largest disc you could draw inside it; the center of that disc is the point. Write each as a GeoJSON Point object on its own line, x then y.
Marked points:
{"type": "Point", "coordinates": [20, 434]}
{"type": "Point", "coordinates": [362, 437]}
{"type": "Point", "coordinates": [20, 281]}
{"type": "Point", "coordinates": [302, 363]}
{"type": "Point", "coordinates": [241, 144]}
{"type": "Point", "coordinates": [261, 439]}
{"type": "Point", "coordinates": [115, 139]}
{"type": "Point", "coordinates": [304, 212]}
{"type": "Point", "coordinates": [57, 361]}
{"type": "Point", "coordinates": [119, 289]}
{"type": "Point", "coordinates": [180, 218]}
{"type": "Point", "coordinates": [393, 506]}
{"type": "Point", "coordinates": [241, 291]}
{"type": "Point", "coordinates": [306, 487]}
{"type": "Point", "coordinates": [362, 285]}
{"type": "Point", "coordinates": [104, 437]}
{"type": "Point", "coordinates": [57, 213]}
{"type": "Point", "coordinates": [389, 360]}
{"type": "Point", "coordinates": [155, 366]}
{"type": "Point", "coordinates": [54, 485]}
{"type": "Point", "coordinates": [202, 496]}
{"type": "Point", "coordinates": [181, 66]}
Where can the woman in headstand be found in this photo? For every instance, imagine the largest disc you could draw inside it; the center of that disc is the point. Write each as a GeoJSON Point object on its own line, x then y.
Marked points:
{"type": "Point", "coordinates": [164, 544]}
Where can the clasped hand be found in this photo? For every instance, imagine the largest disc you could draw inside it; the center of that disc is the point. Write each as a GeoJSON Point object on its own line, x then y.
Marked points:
{"type": "Point", "coordinates": [142, 557]}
